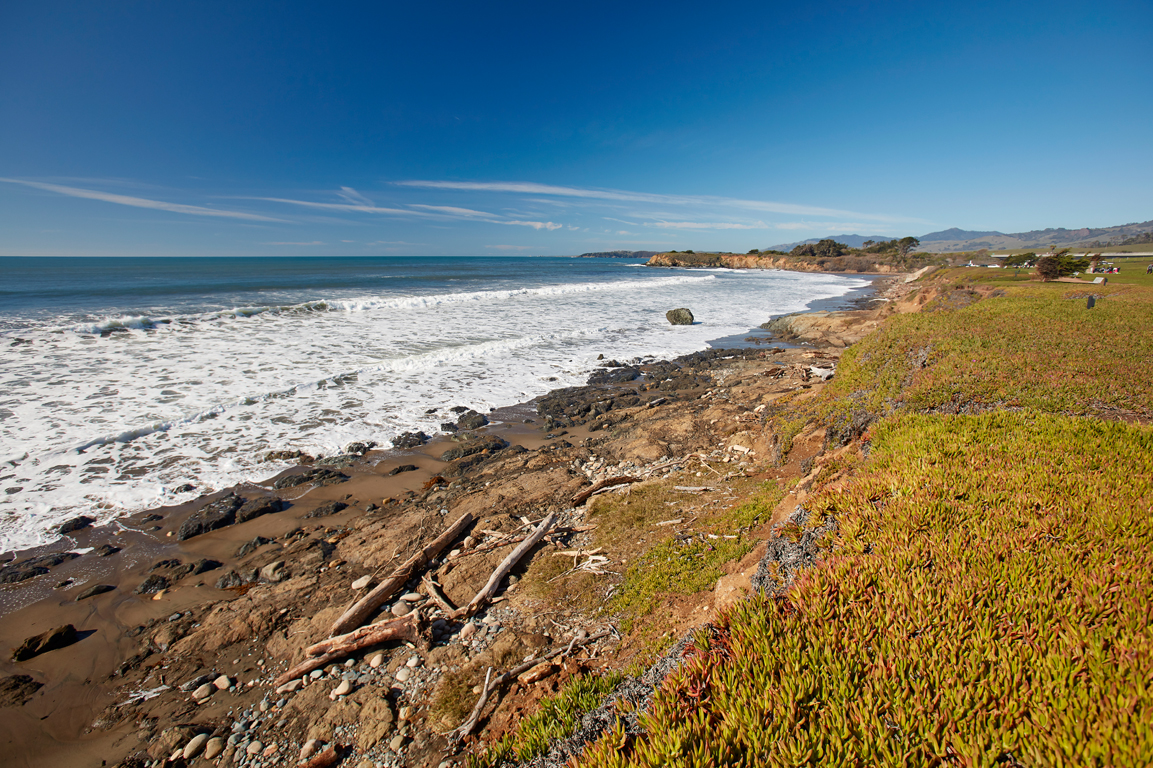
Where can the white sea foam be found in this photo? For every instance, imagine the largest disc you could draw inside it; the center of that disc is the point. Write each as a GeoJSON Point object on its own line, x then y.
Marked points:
{"type": "Point", "coordinates": [108, 417]}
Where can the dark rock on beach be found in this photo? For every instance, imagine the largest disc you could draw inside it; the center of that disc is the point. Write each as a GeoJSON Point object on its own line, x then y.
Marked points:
{"type": "Point", "coordinates": [254, 508]}
{"type": "Point", "coordinates": [104, 550]}
{"type": "Point", "coordinates": [680, 316]}
{"type": "Point", "coordinates": [359, 449]}
{"type": "Point", "coordinates": [93, 591]}
{"type": "Point", "coordinates": [324, 510]}
{"type": "Point", "coordinates": [409, 440]}
{"type": "Point", "coordinates": [216, 514]}
{"type": "Point", "coordinates": [33, 567]}
{"type": "Point", "coordinates": [60, 637]}
{"type": "Point", "coordinates": [152, 585]}
{"type": "Point", "coordinates": [76, 524]}
{"type": "Point", "coordinates": [15, 691]}
{"type": "Point", "coordinates": [317, 476]}
{"type": "Point", "coordinates": [402, 468]}
{"type": "Point", "coordinates": [249, 547]}
{"type": "Point", "coordinates": [299, 456]}
{"type": "Point", "coordinates": [205, 564]}
{"type": "Point", "coordinates": [489, 443]}
{"type": "Point", "coordinates": [448, 427]}
{"type": "Point", "coordinates": [472, 420]}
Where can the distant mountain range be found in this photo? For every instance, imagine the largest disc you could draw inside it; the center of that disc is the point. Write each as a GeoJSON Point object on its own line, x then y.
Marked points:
{"type": "Point", "coordinates": [954, 240]}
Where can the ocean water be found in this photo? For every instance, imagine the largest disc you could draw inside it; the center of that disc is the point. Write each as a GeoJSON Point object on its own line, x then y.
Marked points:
{"type": "Point", "coordinates": [123, 378]}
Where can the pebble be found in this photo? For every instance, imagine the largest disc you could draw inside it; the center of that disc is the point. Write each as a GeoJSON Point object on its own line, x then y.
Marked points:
{"type": "Point", "coordinates": [203, 692]}
{"type": "Point", "coordinates": [175, 617]}
{"type": "Point", "coordinates": [340, 690]}
{"type": "Point", "coordinates": [403, 674]}
{"type": "Point", "coordinates": [193, 747]}
{"type": "Point", "coordinates": [222, 683]}
{"type": "Point", "coordinates": [377, 660]}
{"type": "Point", "coordinates": [254, 747]}
{"type": "Point", "coordinates": [405, 713]}
{"type": "Point", "coordinates": [468, 630]}
{"type": "Point", "coordinates": [350, 663]}
{"type": "Point", "coordinates": [397, 743]}
{"type": "Point", "coordinates": [309, 748]}
{"type": "Point", "coordinates": [271, 749]}
{"type": "Point", "coordinates": [412, 597]}
{"type": "Point", "coordinates": [413, 662]}
{"type": "Point", "coordinates": [401, 608]}
{"type": "Point", "coordinates": [235, 738]}
{"type": "Point", "coordinates": [362, 582]}
{"type": "Point", "coordinates": [291, 686]}
{"type": "Point", "coordinates": [213, 748]}
{"type": "Point", "coordinates": [316, 674]}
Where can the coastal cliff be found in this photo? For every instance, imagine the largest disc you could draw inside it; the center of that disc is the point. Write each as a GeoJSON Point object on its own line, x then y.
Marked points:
{"type": "Point", "coordinates": [782, 261]}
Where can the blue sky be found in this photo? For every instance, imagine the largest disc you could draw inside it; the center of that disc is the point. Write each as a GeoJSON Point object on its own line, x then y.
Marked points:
{"type": "Point", "coordinates": [144, 128]}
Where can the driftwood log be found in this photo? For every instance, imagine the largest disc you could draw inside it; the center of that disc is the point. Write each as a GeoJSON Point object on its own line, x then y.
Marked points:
{"type": "Point", "coordinates": [405, 628]}
{"type": "Point", "coordinates": [489, 589]}
{"type": "Point", "coordinates": [362, 608]}
{"type": "Point", "coordinates": [587, 493]}
{"type": "Point", "coordinates": [491, 685]}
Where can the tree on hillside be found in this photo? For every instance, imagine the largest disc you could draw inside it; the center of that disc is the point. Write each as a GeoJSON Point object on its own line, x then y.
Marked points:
{"type": "Point", "coordinates": [1020, 259]}
{"type": "Point", "coordinates": [1060, 265]}
{"type": "Point", "coordinates": [906, 244]}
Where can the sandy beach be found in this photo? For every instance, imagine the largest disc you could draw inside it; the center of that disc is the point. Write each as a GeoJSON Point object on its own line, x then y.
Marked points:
{"type": "Point", "coordinates": [236, 605]}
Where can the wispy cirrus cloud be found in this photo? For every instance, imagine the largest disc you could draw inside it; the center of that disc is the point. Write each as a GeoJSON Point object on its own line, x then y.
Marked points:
{"type": "Point", "coordinates": [706, 225]}
{"type": "Point", "coordinates": [532, 188]}
{"type": "Point", "coordinates": [538, 225]}
{"type": "Point", "coordinates": [450, 210]}
{"type": "Point", "coordinates": [140, 202]}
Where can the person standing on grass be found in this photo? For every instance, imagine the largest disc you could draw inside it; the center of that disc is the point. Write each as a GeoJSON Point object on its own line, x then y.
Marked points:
{"type": "Point", "coordinates": [1149, 269]}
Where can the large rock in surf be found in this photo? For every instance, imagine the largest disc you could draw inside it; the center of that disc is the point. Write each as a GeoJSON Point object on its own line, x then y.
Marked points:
{"type": "Point", "coordinates": [679, 316]}
{"type": "Point", "coordinates": [254, 508]}
{"type": "Point", "coordinates": [409, 440]}
{"type": "Point", "coordinates": [76, 524]}
{"type": "Point", "coordinates": [472, 420]}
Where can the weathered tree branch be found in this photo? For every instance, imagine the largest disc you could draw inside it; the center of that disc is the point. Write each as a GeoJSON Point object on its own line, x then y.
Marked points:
{"type": "Point", "coordinates": [437, 596]}
{"type": "Point", "coordinates": [587, 493]}
{"type": "Point", "coordinates": [361, 609]}
{"type": "Point", "coordinates": [404, 628]}
{"type": "Point", "coordinates": [502, 570]}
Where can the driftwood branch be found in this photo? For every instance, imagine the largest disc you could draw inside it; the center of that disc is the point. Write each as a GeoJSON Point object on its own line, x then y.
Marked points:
{"type": "Point", "coordinates": [404, 628]}
{"type": "Point", "coordinates": [587, 493]}
{"type": "Point", "coordinates": [437, 596]}
{"type": "Point", "coordinates": [363, 607]}
{"type": "Point", "coordinates": [490, 686]}
{"type": "Point", "coordinates": [506, 565]}
{"type": "Point", "coordinates": [467, 726]}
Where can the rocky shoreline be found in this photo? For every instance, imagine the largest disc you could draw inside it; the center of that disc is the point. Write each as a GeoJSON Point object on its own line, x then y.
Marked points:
{"type": "Point", "coordinates": [183, 618]}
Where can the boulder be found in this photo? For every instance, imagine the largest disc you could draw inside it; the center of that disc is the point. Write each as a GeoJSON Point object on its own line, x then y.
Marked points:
{"type": "Point", "coordinates": [249, 547]}
{"type": "Point", "coordinates": [320, 476]}
{"type": "Point", "coordinates": [471, 420]}
{"type": "Point", "coordinates": [402, 468]}
{"type": "Point", "coordinates": [152, 585]}
{"type": "Point", "coordinates": [680, 316]}
{"type": "Point", "coordinates": [324, 510]}
{"type": "Point", "coordinates": [489, 443]}
{"type": "Point", "coordinates": [93, 591]}
{"type": "Point", "coordinates": [216, 514]}
{"type": "Point", "coordinates": [76, 524]}
{"type": "Point", "coordinates": [359, 449]}
{"type": "Point", "coordinates": [60, 637]}
{"type": "Point", "coordinates": [254, 508]}
{"type": "Point", "coordinates": [15, 691]}
{"type": "Point", "coordinates": [409, 440]}
{"type": "Point", "coordinates": [34, 566]}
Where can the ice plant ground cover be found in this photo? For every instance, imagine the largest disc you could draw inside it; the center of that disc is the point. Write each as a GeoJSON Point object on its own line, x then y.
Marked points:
{"type": "Point", "coordinates": [988, 595]}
